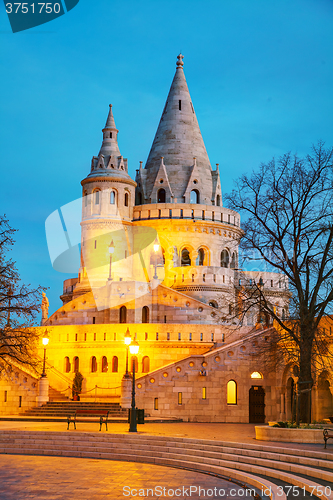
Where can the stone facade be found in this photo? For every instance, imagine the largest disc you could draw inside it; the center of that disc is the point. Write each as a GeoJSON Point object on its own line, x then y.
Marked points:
{"type": "Point", "coordinates": [159, 257]}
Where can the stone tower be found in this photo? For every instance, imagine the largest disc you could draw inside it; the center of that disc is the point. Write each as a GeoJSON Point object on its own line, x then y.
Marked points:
{"type": "Point", "coordinates": [180, 196]}
{"type": "Point", "coordinates": [178, 164]}
{"type": "Point", "coordinates": [107, 211]}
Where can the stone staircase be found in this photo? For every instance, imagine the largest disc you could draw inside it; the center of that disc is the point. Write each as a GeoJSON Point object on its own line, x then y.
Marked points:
{"type": "Point", "coordinates": [263, 467]}
{"type": "Point", "coordinates": [64, 408]}
{"type": "Point", "coordinates": [55, 395]}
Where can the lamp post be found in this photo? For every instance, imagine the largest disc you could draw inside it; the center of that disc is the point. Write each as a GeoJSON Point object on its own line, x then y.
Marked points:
{"type": "Point", "coordinates": [111, 250]}
{"type": "Point", "coordinates": [134, 349]}
{"type": "Point", "coordinates": [45, 341]}
{"type": "Point", "coordinates": [127, 340]}
{"type": "Point", "coordinates": [156, 248]}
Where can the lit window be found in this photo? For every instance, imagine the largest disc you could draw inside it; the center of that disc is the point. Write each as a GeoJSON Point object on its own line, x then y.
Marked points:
{"type": "Point", "coordinates": [231, 392]}
{"type": "Point", "coordinates": [256, 375]}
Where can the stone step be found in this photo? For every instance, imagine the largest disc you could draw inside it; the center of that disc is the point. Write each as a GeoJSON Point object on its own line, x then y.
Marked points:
{"type": "Point", "coordinates": [195, 462]}
{"type": "Point", "coordinates": [214, 458]}
{"type": "Point", "coordinates": [288, 454]}
{"type": "Point", "coordinates": [245, 478]}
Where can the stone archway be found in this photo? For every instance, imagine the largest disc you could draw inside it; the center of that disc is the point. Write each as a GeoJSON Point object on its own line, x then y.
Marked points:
{"type": "Point", "coordinates": [324, 397]}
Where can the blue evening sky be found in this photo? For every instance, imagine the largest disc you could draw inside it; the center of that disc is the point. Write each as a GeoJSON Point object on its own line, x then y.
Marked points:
{"type": "Point", "coordinates": [260, 74]}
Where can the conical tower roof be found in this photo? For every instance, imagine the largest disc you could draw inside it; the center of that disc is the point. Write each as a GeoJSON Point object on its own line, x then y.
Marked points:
{"type": "Point", "coordinates": [178, 139]}
{"type": "Point", "coordinates": [109, 162]}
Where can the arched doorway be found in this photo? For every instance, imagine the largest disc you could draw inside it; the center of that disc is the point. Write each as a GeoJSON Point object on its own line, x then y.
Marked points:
{"type": "Point", "coordinates": [257, 405]}
{"type": "Point", "coordinates": [325, 398]}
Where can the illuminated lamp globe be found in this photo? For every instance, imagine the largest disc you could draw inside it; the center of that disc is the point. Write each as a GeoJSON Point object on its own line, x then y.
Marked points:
{"type": "Point", "coordinates": [134, 347]}
{"type": "Point", "coordinates": [127, 337]}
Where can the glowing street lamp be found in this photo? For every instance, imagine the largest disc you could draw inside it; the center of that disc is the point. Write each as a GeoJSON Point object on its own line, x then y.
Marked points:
{"type": "Point", "coordinates": [111, 250]}
{"type": "Point", "coordinates": [45, 341]}
{"type": "Point", "coordinates": [127, 340]}
{"type": "Point", "coordinates": [156, 249]}
{"type": "Point", "coordinates": [134, 349]}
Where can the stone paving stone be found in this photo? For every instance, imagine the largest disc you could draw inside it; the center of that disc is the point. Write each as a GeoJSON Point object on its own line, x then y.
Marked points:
{"type": "Point", "coordinates": [60, 478]}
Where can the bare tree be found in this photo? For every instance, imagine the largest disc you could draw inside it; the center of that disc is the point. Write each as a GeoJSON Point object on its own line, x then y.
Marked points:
{"type": "Point", "coordinates": [19, 306]}
{"type": "Point", "coordinates": [288, 220]}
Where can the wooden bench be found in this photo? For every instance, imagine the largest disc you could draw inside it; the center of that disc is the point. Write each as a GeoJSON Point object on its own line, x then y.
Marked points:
{"type": "Point", "coordinates": [102, 414]}
{"type": "Point", "coordinates": [328, 434]}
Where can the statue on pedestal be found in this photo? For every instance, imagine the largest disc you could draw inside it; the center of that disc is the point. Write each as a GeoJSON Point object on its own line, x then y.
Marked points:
{"type": "Point", "coordinates": [45, 309]}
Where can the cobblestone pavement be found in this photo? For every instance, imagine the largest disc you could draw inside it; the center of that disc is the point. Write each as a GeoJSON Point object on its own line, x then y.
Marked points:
{"type": "Point", "coordinates": [62, 478]}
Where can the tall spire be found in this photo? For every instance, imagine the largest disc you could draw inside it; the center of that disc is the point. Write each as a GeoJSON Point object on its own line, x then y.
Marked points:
{"type": "Point", "coordinates": [178, 139]}
{"type": "Point", "coordinates": [109, 161]}
{"type": "Point", "coordinates": [110, 144]}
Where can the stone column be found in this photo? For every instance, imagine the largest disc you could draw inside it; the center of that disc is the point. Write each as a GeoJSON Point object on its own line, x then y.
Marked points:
{"type": "Point", "coordinates": [126, 392]}
{"type": "Point", "coordinates": [43, 391]}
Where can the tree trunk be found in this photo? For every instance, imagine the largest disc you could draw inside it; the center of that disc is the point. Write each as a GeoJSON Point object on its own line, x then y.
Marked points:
{"type": "Point", "coordinates": [305, 382]}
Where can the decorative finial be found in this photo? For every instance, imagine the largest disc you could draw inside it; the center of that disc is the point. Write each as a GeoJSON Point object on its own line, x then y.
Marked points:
{"type": "Point", "coordinates": [180, 63]}
{"type": "Point", "coordinates": [110, 105]}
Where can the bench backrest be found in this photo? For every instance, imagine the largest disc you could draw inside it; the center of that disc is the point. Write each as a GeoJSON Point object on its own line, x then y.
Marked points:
{"type": "Point", "coordinates": [92, 412]}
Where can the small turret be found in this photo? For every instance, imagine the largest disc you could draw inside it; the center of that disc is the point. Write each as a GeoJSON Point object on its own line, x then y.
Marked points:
{"type": "Point", "coordinates": [110, 132]}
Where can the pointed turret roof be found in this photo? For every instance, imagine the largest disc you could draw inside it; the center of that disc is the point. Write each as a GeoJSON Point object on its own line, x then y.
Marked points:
{"type": "Point", "coordinates": [110, 143]}
{"type": "Point", "coordinates": [109, 162]}
{"type": "Point", "coordinates": [178, 139]}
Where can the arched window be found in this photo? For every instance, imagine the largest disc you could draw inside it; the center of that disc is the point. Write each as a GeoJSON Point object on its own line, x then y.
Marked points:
{"type": "Point", "coordinates": [201, 257]}
{"type": "Point", "coordinates": [104, 364]}
{"type": "Point", "coordinates": [96, 197]}
{"type": "Point", "coordinates": [114, 364]}
{"type": "Point", "coordinates": [194, 196]}
{"type": "Point", "coordinates": [113, 198]}
{"type": "Point", "coordinates": [185, 257]}
{"type": "Point", "coordinates": [139, 198]}
{"type": "Point", "coordinates": [135, 364]}
{"type": "Point", "coordinates": [231, 392]}
{"type": "Point", "coordinates": [233, 260]}
{"type": "Point", "coordinates": [161, 196]}
{"type": "Point", "coordinates": [123, 315]}
{"type": "Point", "coordinates": [145, 314]}
{"type": "Point", "coordinates": [126, 200]}
{"type": "Point", "coordinates": [283, 314]}
{"type": "Point", "coordinates": [93, 364]}
{"type": "Point", "coordinates": [67, 367]}
{"type": "Point", "coordinates": [218, 200]}
{"type": "Point", "coordinates": [256, 375]}
{"type": "Point", "coordinates": [145, 364]}
{"type": "Point", "coordinates": [85, 195]}
{"type": "Point", "coordinates": [76, 363]}
{"type": "Point", "coordinates": [224, 258]}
